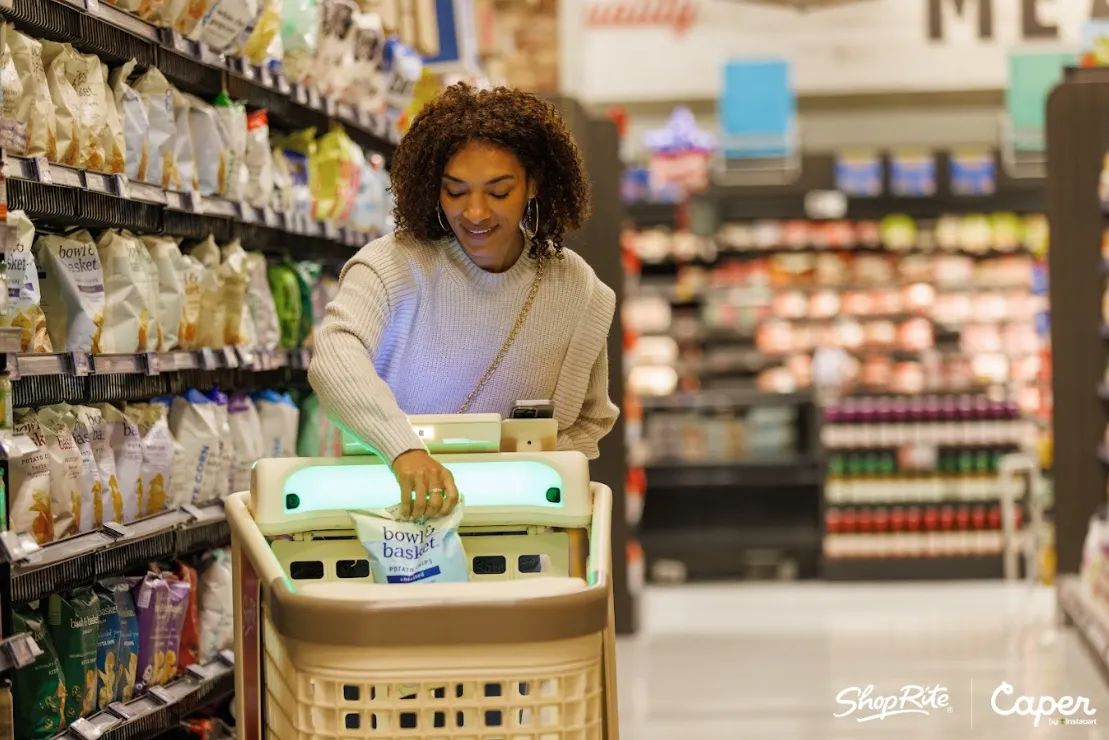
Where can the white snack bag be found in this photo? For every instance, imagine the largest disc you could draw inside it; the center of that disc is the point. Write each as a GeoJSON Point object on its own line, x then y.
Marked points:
{"type": "Point", "coordinates": [208, 146]}
{"type": "Point", "coordinates": [403, 551]}
{"type": "Point", "coordinates": [260, 304]}
{"type": "Point", "coordinates": [100, 440]}
{"type": "Point", "coordinates": [153, 291]}
{"type": "Point", "coordinates": [62, 62]}
{"type": "Point", "coordinates": [215, 606]}
{"type": "Point", "coordinates": [280, 420]}
{"type": "Point", "coordinates": [166, 254]}
{"type": "Point", "coordinates": [36, 109]}
{"type": "Point", "coordinates": [184, 153]}
{"type": "Point", "coordinates": [246, 438]}
{"type": "Point", "coordinates": [128, 313]}
{"type": "Point", "coordinates": [232, 121]}
{"type": "Point", "coordinates": [212, 322]}
{"type": "Point", "coordinates": [132, 112]}
{"type": "Point", "coordinates": [67, 472]}
{"type": "Point", "coordinates": [10, 84]}
{"type": "Point", "coordinates": [112, 139]}
{"type": "Point", "coordinates": [72, 290]}
{"type": "Point", "coordinates": [236, 315]}
{"type": "Point", "coordinates": [195, 277]}
{"type": "Point", "coordinates": [87, 426]}
{"type": "Point", "coordinates": [194, 424]}
{"type": "Point", "coordinates": [157, 454]}
{"type": "Point", "coordinates": [228, 20]}
{"type": "Point", "coordinates": [259, 161]}
{"type": "Point", "coordinates": [225, 449]}
{"type": "Point", "coordinates": [32, 509]}
{"type": "Point", "coordinates": [126, 443]}
{"type": "Point", "coordinates": [157, 96]}
{"type": "Point", "coordinates": [25, 309]}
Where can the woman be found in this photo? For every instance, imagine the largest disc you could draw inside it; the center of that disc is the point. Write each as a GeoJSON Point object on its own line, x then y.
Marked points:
{"type": "Point", "coordinates": [473, 303]}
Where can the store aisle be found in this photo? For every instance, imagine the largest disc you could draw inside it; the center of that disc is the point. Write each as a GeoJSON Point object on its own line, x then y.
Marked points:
{"type": "Point", "coordinates": [768, 661]}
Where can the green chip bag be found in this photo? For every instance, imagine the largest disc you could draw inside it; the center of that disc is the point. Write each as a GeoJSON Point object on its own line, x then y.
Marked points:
{"type": "Point", "coordinates": [38, 690]}
{"type": "Point", "coordinates": [107, 651]}
{"type": "Point", "coordinates": [285, 286]}
{"type": "Point", "coordinates": [74, 625]}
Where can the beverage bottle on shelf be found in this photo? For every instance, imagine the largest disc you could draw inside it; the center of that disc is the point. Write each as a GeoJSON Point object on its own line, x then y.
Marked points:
{"type": "Point", "coordinates": [979, 523]}
{"type": "Point", "coordinates": [932, 530]}
{"type": "Point", "coordinates": [914, 524]}
{"type": "Point", "coordinates": [947, 530]}
{"type": "Point", "coordinates": [833, 486]}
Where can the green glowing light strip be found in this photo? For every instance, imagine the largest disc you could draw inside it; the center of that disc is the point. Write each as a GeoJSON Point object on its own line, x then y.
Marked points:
{"type": "Point", "coordinates": [347, 487]}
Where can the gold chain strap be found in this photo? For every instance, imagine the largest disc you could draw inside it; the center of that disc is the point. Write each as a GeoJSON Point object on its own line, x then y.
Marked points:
{"type": "Point", "coordinates": [508, 342]}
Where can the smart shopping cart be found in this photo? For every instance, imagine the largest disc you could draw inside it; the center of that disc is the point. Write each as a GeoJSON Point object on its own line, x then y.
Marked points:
{"type": "Point", "coordinates": [524, 651]}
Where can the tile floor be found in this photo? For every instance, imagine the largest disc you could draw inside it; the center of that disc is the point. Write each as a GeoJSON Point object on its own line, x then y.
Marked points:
{"type": "Point", "coordinates": [767, 661]}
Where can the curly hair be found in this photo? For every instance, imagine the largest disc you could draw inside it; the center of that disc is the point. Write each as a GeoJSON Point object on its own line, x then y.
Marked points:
{"type": "Point", "coordinates": [520, 122]}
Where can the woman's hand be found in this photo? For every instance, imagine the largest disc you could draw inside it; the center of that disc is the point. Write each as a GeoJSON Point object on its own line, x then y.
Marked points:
{"type": "Point", "coordinates": [420, 475]}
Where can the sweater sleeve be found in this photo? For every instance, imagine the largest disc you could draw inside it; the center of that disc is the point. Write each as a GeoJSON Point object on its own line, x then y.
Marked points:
{"type": "Point", "coordinates": [597, 416]}
{"type": "Point", "coordinates": [342, 371]}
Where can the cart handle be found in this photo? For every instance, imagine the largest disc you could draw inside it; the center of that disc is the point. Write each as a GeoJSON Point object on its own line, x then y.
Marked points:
{"type": "Point", "coordinates": [413, 624]}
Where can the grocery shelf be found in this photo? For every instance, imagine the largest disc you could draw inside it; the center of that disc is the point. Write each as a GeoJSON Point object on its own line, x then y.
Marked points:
{"type": "Point", "coordinates": [715, 400]}
{"type": "Point", "coordinates": [82, 560]}
{"type": "Point", "coordinates": [163, 708]}
{"type": "Point", "coordinates": [54, 194]}
{"type": "Point", "coordinates": [787, 470]}
{"type": "Point", "coordinates": [116, 36]}
{"type": "Point", "coordinates": [1090, 620]}
{"type": "Point", "coordinates": [972, 567]}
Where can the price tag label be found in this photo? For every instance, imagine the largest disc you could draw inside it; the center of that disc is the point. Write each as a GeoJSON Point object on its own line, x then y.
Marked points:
{"type": "Point", "coordinates": [227, 656]}
{"type": "Point", "coordinates": [192, 511]}
{"type": "Point", "coordinates": [248, 70]}
{"type": "Point", "coordinates": [117, 530]}
{"type": "Point", "coordinates": [153, 363]}
{"type": "Point", "coordinates": [121, 710]}
{"type": "Point", "coordinates": [80, 363]}
{"type": "Point", "coordinates": [208, 359]}
{"type": "Point", "coordinates": [330, 107]}
{"type": "Point", "coordinates": [314, 100]}
{"type": "Point", "coordinates": [230, 357]}
{"type": "Point", "coordinates": [42, 170]}
{"type": "Point", "coordinates": [246, 358]}
{"type": "Point", "coordinates": [248, 212]}
{"type": "Point", "coordinates": [200, 672]}
{"type": "Point", "coordinates": [22, 650]}
{"type": "Point", "coordinates": [82, 729]}
{"type": "Point", "coordinates": [92, 6]}
{"type": "Point", "coordinates": [160, 695]}
{"type": "Point", "coordinates": [300, 94]}
{"type": "Point", "coordinates": [282, 85]}
{"type": "Point", "coordinates": [195, 202]}
{"type": "Point", "coordinates": [122, 186]}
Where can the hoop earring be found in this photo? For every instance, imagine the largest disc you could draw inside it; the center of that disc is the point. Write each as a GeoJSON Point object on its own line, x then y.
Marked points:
{"type": "Point", "coordinates": [527, 214]}
{"type": "Point", "coordinates": [439, 215]}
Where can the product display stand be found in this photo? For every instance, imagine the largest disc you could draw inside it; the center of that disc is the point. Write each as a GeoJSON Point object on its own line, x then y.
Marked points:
{"type": "Point", "coordinates": [60, 197]}
{"type": "Point", "coordinates": [1077, 141]}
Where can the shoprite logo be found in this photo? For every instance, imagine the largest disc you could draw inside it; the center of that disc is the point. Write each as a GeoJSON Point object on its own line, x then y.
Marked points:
{"type": "Point", "coordinates": [679, 15]}
{"type": "Point", "coordinates": [864, 705]}
{"type": "Point", "coordinates": [1040, 707]}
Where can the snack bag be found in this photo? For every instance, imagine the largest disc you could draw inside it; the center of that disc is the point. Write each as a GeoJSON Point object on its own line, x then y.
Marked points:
{"type": "Point", "coordinates": [11, 86]}
{"type": "Point", "coordinates": [183, 178]}
{"type": "Point", "coordinates": [112, 140]}
{"type": "Point", "coordinates": [38, 690]}
{"type": "Point", "coordinates": [209, 142]}
{"type": "Point", "coordinates": [246, 439]}
{"type": "Point", "coordinates": [213, 308]}
{"type": "Point", "coordinates": [107, 498]}
{"type": "Point", "coordinates": [107, 651]}
{"type": "Point", "coordinates": [180, 592]}
{"type": "Point", "coordinates": [74, 624]}
{"type": "Point", "coordinates": [157, 453]}
{"type": "Point", "coordinates": [234, 271]}
{"type": "Point", "coordinates": [134, 121]}
{"type": "Point", "coordinates": [128, 664]}
{"type": "Point", "coordinates": [67, 474]}
{"type": "Point", "coordinates": [401, 551]}
{"type": "Point", "coordinates": [92, 503]}
{"type": "Point", "coordinates": [280, 420]}
{"type": "Point", "coordinates": [157, 96]}
{"type": "Point", "coordinates": [258, 160]}
{"type": "Point", "coordinates": [215, 605]}
{"type": "Point", "coordinates": [166, 255]}
{"type": "Point", "coordinates": [36, 109]}
{"type": "Point", "coordinates": [129, 316]}
{"type": "Point", "coordinates": [189, 645]}
{"type": "Point", "coordinates": [194, 423]}
{"type": "Point", "coordinates": [73, 295]}
{"type": "Point", "coordinates": [72, 133]}
{"type": "Point", "coordinates": [25, 299]}
{"type": "Point", "coordinates": [233, 128]}
{"type": "Point", "coordinates": [194, 277]}
{"type": "Point", "coordinates": [126, 442]}
{"type": "Point", "coordinates": [152, 607]}
{"type": "Point", "coordinates": [224, 448]}
{"type": "Point", "coordinates": [285, 288]}
{"type": "Point", "coordinates": [32, 506]}
{"type": "Point", "coordinates": [260, 306]}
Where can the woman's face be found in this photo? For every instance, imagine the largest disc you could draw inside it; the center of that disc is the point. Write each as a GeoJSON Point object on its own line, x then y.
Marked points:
{"type": "Point", "coordinates": [483, 194]}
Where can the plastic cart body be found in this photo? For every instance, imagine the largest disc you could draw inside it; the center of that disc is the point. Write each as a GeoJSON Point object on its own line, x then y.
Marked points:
{"type": "Point", "coordinates": [524, 651]}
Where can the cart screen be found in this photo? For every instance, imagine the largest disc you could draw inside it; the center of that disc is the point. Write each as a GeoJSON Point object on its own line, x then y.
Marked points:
{"type": "Point", "coordinates": [372, 486]}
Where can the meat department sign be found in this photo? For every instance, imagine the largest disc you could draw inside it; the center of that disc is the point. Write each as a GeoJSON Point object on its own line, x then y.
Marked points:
{"type": "Point", "coordinates": [636, 50]}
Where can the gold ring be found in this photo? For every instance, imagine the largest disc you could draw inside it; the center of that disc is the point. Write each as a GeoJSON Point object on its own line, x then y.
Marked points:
{"type": "Point", "coordinates": [437, 490]}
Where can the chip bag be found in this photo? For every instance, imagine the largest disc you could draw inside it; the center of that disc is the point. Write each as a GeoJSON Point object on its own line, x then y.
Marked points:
{"type": "Point", "coordinates": [422, 551]}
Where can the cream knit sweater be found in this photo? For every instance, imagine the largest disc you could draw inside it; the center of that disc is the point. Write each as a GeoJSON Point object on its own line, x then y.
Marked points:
{"type": "Point", "coordinates": [415, 325]}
